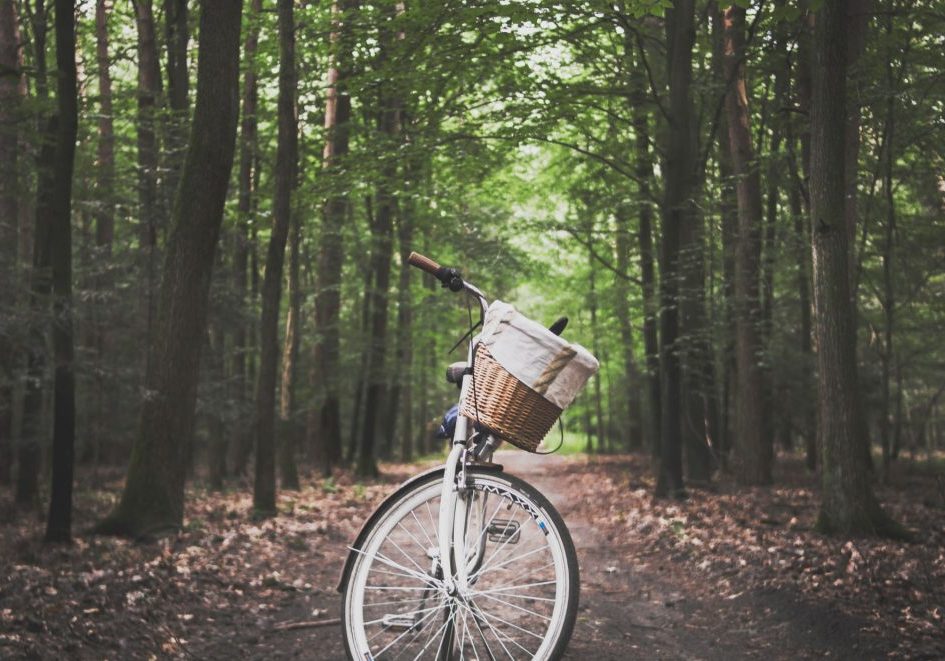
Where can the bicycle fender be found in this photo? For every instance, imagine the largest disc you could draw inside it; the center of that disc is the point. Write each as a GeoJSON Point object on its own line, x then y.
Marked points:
{"type": "Point", "coordinates": [362, 534]}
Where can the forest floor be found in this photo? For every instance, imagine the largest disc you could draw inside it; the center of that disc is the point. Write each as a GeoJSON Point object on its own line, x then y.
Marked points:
{"type": "Point", "coordinates": [730, 573]}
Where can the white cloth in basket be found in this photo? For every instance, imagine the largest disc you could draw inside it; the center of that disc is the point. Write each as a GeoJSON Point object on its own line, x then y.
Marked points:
{"type": "Point", "coordinates": [553, 367]}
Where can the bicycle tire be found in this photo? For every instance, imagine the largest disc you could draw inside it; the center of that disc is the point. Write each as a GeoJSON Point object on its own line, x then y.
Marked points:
{"type": "Point", "coordinates": [466, 622]}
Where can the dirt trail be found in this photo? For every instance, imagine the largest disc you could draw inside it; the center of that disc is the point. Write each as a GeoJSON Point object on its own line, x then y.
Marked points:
{"type": "Point", "coordinates": [641, 611]}
{"type": "Point", "coordinates": [629, 609]}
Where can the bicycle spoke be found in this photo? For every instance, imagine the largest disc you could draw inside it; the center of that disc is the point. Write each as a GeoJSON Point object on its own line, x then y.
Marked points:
{"type": "Point", "coordinates": [413, 612]}
{"type": "Point", "coordinates": [492, 629]}
{"type": "Point", "coordinates": [507, 623]}
{"type": "Point", "coordinates": [506, 562]}
{"type": "Point", "coordinates": [514, 586]}
{"type": "Point", "coordinates": [416, 626]}
{"type": "Point", "coordinates": [423, 530]}
{"type": "Point", "coordinates": [432, 638]}
{"type": "Point", "coordinates": [406, 571]}
{"type": "Point", "coordinates": [395, 601]}
{"type": "Point", "coordinates": [516, 607]}
{"type": "Point", "coordinates": [410, 534]}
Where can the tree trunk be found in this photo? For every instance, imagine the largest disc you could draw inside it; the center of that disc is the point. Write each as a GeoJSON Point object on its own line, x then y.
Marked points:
{"type": "Point", "coordinates": [149, 215]}
{"type": "Point", "coordinates": [728, 212]}
{"type": "Point", "coordinates": [243, 445]}
{"type": "Point", "coordinates": [29, 452]}
{"type": "Point", "coordinates": [289, 432]}
{"type": "Point", "coordinates": [643, 169]}
{"type": "Point", "coordinates": [678, 204]}
{"type": "Point", "coordinates": [400, 393]}
{"type": "Point", "coordinates": [11, 97]}
{"type": "Point", "coordinates": [753, 449]}
{"type": "Point", "coordinates": [153, 498]}
{"type": "Point", "coordinates": [264, 492]}
{"type": "Point", "coordinates": [104, 217]}
{"type": "Point", "coordinates": [847, 501]}
{"type": "Point", "coordinates": [599, 431]}
{"type": "Point", "coordinates": [889, 293]}
{"type": "Point", "coordinates": [177, 36]}
{"type": "Point", "coordinates": [216, 452]}
{"type": "Point", "coordinates": [622, 311]}
{"type": "Point", "coordinates": [59, 523]}
{"type": "Point", "coordinates": [379, 294]}
{"type": "Point", "coordinates": [330, 255]}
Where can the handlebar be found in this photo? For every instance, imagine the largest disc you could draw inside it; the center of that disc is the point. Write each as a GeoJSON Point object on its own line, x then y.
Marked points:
{"type": "Point", "coordinates": [423, 263]}
{"type": "Point", "coordinates": [449, 277]}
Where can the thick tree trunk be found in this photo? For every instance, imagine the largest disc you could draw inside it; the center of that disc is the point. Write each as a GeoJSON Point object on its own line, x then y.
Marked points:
{"type": "Point", "coordinates": [11, 97]}
{"type": "Point", "coordinates": [264, 492]}
{"type": "Point", "coordinates": [243, 444]}
{"type": "Point", "coordinates": [678, 204]}
{"type": "Point", "coordinates": [149, 214]}
{"type": "Point", "coordinates": [153, 498]}
{"type": "Point", "coordinates": [847, 501]}
{"type": "Point", "coordinates": [288, 423]}
{"type": "Point", "coordinates": [753, 450]}
{"type": "Point", "coordinates": [330, 255]}
{"type": "Point", "coordinates": [59, 523]}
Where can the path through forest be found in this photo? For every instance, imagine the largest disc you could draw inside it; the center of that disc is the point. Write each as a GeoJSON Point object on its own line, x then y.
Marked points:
{"type": "Point", "coordinates": [732, 573]}
{"type": "Point", "coordinates": [630, 609]}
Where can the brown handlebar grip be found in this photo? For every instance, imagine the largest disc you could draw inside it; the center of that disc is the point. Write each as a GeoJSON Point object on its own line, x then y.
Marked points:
{"type": "Point", "coordinates": [423, 263]}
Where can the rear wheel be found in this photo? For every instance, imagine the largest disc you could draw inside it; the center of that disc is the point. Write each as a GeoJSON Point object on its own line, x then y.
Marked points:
{"type": "Point", "coordinates": [522, 598]}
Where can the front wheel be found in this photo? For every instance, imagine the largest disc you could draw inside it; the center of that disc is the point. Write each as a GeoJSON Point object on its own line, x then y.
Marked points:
{"type": "Point", "coordinates": [522, 595]}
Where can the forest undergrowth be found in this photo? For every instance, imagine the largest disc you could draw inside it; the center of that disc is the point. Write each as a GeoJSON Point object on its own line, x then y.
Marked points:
{"type": "Point", "coordinates": [229, 584]}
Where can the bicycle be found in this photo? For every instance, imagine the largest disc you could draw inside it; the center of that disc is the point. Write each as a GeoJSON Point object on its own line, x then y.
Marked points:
{"type": "Point", "coordinates": [465, 561]}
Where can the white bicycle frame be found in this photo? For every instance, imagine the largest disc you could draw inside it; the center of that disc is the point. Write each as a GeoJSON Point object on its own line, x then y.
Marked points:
{"type": "Point", "coordinates": [452, 519]}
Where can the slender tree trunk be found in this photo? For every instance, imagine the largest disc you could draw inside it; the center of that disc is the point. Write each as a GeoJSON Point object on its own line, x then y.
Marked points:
{"type": "Point", "coordinates": [847, 501]}
{"type": "Point", "coordinates": [264, 492]}
{"type": "Point", "coordinates": [379, 293]}
{"type": "Point", "coordinates": [728, 212]}
{"type": "Point", "coordinates": [104, 228]}
{"type": "Point", "coordinates": [177, 36]}
{"type": "Point", "coordinates": [153, 498]}
{"type": "Point", "coordinates": [599, 429]}
{"type": "Point", "coordinates": [622, 311]}
{"type": "Point", "coordinates": [59, 523]}
{"type": "Point", "coordinates": [753, 450]}
{"type": "Point", "coordinates": [11, 97]}
{"type": "Point", "coordinates": [289, 435]}
{"type": "Point", "coordinates": [330, 255]}
{"type": "Point", "coordinates": [678, 204]}
{"type": "Point", "coordinates": [243, 445]}
{"type": "Point", "coordinates": [802, 251]}
{"type": "Point", "coordinates": [643, 169]}
{"type": "Point", "coordinates": [29, 452]}
{"type": "Point", "coordinates": [149, 215]}
{"type": "Point", "coordinates": [889, 293]}
{"type": "Point", "coordinates": [400, 393]}
{"type": "Point", "coordinates": [216, 454]}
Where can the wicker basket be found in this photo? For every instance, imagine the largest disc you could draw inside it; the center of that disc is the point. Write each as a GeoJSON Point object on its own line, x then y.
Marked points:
{"type": "Point", "coordinates": [505, 405]}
